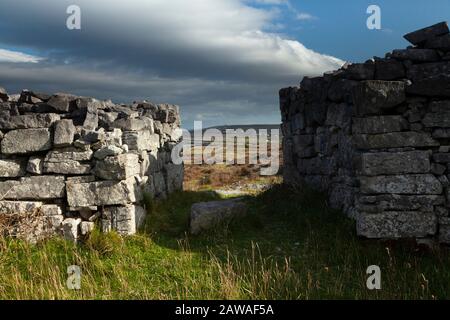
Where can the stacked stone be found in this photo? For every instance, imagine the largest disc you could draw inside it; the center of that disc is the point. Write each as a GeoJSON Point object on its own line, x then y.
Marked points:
{"type": "Point", "coordinates": [376, 137]}
{"type": "Point", "coordinates": [81, 162]}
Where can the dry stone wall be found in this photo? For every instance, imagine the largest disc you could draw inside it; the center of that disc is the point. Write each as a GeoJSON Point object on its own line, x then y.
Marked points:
{"type": "Point", "coordinates": [376, 137]}
{"type": "Point", "coordinates": [69, 164]}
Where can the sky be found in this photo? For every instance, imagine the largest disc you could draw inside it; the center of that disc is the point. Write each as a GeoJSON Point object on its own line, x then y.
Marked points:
{"type": "Point", "coordinates": [222, 61]}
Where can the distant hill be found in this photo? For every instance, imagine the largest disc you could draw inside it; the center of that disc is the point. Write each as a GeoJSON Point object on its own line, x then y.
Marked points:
{"type": "Point", "coordinates": [257, 127]}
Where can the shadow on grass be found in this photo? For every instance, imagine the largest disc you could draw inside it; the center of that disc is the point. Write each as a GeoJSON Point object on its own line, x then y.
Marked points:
{"type": "Point", "coordinates": [295, 230]}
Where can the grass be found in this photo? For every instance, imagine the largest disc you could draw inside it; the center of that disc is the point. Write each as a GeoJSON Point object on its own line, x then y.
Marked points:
{"type": "Point", "coordinates": [290, 246]}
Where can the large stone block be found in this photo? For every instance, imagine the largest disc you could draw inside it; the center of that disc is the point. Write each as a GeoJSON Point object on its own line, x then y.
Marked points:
{"type": "Point", "coordinates": [420, 36]}
{"type": "Point", "coordinates": [397, 202]}
{"type": "Point", "coordinates": [372, 97]}
{"type": "Point", "coordinates": [10, 168]}
{"type": "Point", "coordinates": [416, 54]}
{"type": "Point", "coordinates": [29, 121]}
{"type": "Point", "coordinates": [437, 119]}
{"type": "Point", "coordinates": [33, 188]}
{"type": "Point", "coordinates": [19, 207]}
{"type": "Point", "coordinates": [71, 167]}
{"type": "Point", "coordinates": [126, 220]}
{"type": "Point", "coordinates": [401, 184]}
{"type": "Point", "coordinates": [380, 124]}
{"type": "Point", "coordinates": [384, 163]}
{"type": "Point", "coordinates": [25, 141]}
{"type": "Point", "coordinates": [394, 140]}
{"type": "Point", "coordinates": [74, 154]}
{"type": "Point", "coordinates": [207, 215]}
{"type": "Point", "coordinates": [397, 224]}
{"type": "Point", "coordinates": [64, 133]}
{"type": "Point", "coordinates": [435, 86]}
{"type": "Point", "coordinates": [136, 124]}
{"type": "Point", "coordinates": [120, 167]}
{"type": "Point", "coordinates": [141, 140]}
{"type": "Point", "coordinates": [389, 69]}
{"type": "Point", "coordinates": [104, 193]}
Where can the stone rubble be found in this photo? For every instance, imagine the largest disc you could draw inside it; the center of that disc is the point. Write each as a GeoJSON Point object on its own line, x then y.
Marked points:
{"type": "Point", "coordinates": [376, 137]}
{"type": "Point", "coordinates": [84, 163]}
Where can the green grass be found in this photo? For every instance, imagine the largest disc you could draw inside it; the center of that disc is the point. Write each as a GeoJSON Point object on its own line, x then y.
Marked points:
{"type": "Point", "coordinates": [290, 246]}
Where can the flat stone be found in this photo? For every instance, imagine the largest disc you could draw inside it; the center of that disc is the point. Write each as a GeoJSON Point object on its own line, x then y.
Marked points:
{"type": "Point", "coordinates": [25, 141]}
{"type": "Point", "coordinates": [441, 157]}
{"type": "Point", "coordinates": [65, 154]}
{"type": "Point", "coordinates": [423, 71]}
{"type": "Point", "coordinates": [422, 35]}
{"type": "Point", "coordinates": [119, 167]}
{"type": "Point", "coordinates": [371, 97]}
{"type": "Point", "coordinates": [108, 151]}
{"type": "Point", "coordinates": [422, 184]}
{"type": "Point", "coordinates": [360, 71]}
{"type": "Point", "coordinates": [379, 124]}
{"type": "Point", "coordinates": [64, 133]}
{"type": "Point", "coordinates": [134, 124]}
{"type": "Point", "coordinates": [436, 86]}
{"type": "Point", "coordinates": [417, 55]}
{"type": "Point", "coordinates": [67, 167]}
{"type": "Point", "coordinates": [397, 202]}
{"type": "Point", "coordinates": [126, 220]}
{"type": "Point", "coordinates": [141, 140]}
{"type": "Point", "coordinates": [437, 119]}
{"type": "Point", "coordinates": [29, 121]}
{"type": "Point", "coordinates": [19, 207]}
{"type": "Point", "coordinates": [206, 215]}
{"type": "Point", "coordinates": [11, 168]}
{"type": "Point", "coordinates": [397, 224]}
{"type": "Point", "coordinates": [384, 163]}
{"type": "Point", "coordinates": [439, 43]}
{"type": "Point", "coordinates": [389, 69]}
{"type": "Point", "coordinates": [33, 188]}
{"type": "Point", "coordinates": [103, 193]}
{"type": "Point", "coordinates": [441, 133]}
{"type": "Point", "coordinates": [52, 210]}
{"type": "Point", "coordinates": [394, 140]}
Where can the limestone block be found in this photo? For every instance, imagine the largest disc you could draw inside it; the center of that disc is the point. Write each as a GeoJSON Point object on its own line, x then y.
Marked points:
{"type": "Point", "coordinates": [103, 193]}
{"type": "Point", "coordinates": [384, 163]}
{"type": "Point", "coordinates": [11, 168]}
{"type": "Point", "coordinates": [401, 184]}
{"type": "Point", "coordinates": [64, 133]}
{"type": "Point", "coordinates": [126, 220]}
{"type": "Point", "coordinates": [206, 215]}
{"type": "Point", "coordinates": [119, 167]}
{"type": "Point", "coordinates": [35, 188]}
{"type": "Point", "coordinates": [25, 141]}
{"type": "Point", "coordinates": [397, 224]}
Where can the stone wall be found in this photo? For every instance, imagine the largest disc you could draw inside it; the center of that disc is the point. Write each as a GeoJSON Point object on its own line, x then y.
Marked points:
{"type": "Point", "coordinates": [74, 163]}
{"type": "Point", "coordinates": [376, 137]}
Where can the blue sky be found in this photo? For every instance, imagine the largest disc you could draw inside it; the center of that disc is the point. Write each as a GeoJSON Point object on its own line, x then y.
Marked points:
{"type": "Point", "coordinates": [222, 61]}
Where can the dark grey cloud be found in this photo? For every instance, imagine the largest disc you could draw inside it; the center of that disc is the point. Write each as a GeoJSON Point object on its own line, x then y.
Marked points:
{"type": "Point", "coordinates": [211, 57]}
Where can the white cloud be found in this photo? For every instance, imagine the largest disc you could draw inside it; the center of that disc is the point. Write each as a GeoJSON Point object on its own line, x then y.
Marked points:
{"type": "Point", "coordinates": [17, 57]}
{"type": "Point", "coordinates": [192, 52]}
{"type": "Point", "coordinates": [304, 16]}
